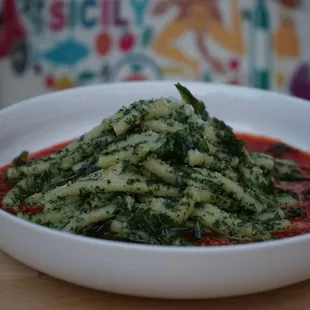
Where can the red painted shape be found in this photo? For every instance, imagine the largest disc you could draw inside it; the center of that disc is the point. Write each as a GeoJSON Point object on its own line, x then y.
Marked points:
{"type": "Point", "coordinates": [127, 42]}
{"type": "Point", "coordinates": [50, 82]}
{"type": "Point", "coordinates": [58, 20]}
{"type": "Point", "coordinates": [103, 43]}
{"type": "Point", "coordinates": [234, 64]}
{"type": "Point", "coordinates": [11, 27]}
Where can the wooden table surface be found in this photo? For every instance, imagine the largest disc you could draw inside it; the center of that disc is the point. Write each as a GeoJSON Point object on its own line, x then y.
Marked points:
{"type": "Point", "coordinates": [22, 288]}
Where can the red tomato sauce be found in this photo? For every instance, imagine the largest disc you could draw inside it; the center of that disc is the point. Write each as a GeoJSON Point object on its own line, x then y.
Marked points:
{"type": "Point", "coordinates": [254, 144]}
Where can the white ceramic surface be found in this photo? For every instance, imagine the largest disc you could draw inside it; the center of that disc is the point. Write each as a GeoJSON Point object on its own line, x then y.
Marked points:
{"type": "Point", "coordinates": [152, 271]}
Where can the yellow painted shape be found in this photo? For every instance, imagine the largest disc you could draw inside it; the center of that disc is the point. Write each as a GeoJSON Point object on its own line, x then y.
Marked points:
{"type": "Point", "coordinates": [286, 41]}
{"type": "Point", "coordinates": [165, 43]}
{"type": "Point", "coordinates": [170, 70]}
{"type": "Point", "coordinates": [63, 83]}
{"type": "Point", "coordinates": [280, 78]}
{"type": "Point", "coordinates": [200, 19]}
{"type": "Point", "coordinates": [231, 39]}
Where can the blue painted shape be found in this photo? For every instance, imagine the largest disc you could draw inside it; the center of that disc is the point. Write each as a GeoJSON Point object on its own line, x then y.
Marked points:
{"type": "Point", "coordinates": [139, 7]}
{"type": "Point", "coordinates": [147, 37]}
{"type": "Point", "coordinates": [67, 53]}
{"type": "Point", "coordinates": [86, 20]}
{"type": "Point", "coordinates": [207, 77]}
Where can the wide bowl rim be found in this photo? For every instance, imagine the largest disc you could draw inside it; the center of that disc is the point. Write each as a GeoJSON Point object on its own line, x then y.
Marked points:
{"type": "Point", "coordinates": [108, 244]}
{"type": "Point", "coordinates": [218, 86]}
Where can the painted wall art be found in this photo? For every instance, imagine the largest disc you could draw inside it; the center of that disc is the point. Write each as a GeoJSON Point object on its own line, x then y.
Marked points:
{"type": "Point", "coordinates": [50, 45]}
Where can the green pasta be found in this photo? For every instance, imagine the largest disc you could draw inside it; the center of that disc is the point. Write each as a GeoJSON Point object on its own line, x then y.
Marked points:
{"type": "Point", "coordinates": [159, 171]}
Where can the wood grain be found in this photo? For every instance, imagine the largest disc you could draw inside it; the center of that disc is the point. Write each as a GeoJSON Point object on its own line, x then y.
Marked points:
{"type": "Point", "coordinates": [24, 288]}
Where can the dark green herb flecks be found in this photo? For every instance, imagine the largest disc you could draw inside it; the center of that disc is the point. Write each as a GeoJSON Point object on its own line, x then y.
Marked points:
{"type": "Point", "coordinates": [280, 150]}
{"type": "Point", "coordinates": [21, 159]}
{"type": "Point", "coordinates": [306, 194]}
{"type": "Point", "coordinates": [188, 98]}
{"type": "Point", "coordinates": [295, 213]}
{"type": "Point", "coordinates": [288, 192]}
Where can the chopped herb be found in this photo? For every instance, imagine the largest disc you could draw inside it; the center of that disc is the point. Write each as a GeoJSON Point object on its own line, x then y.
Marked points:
{"type": "Point", "coordinates": [87, 169]}
{"type": "Point", "coordinates": [280, 150]}
{"type": "Point", "coordinates": [234, 145]}
{"type": "Point", "coordinates": [155, 227]}
{"type": "Point", "coordinates": [197, 231]}
{"type": "Point", "coordinates": [295, 213]}
{"type": "Point", "coordinates": [288, 192]}
{"type": "Point", "coordinates": [306, 193]}
{"type": "Point", "coordinates": [189, 98]}
{"type": "Point", "coordinates": [21, 159]}
{"type": "Point", "coordinates": [131, 181]}
{"type": "Point", "coordinates": [294, 179]}
{"type": "Point", "coordinates": [98, 230]}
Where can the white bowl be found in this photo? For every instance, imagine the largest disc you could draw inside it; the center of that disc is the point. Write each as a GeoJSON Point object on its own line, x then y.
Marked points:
{"type": "Point", "coordinates": [153, 271]}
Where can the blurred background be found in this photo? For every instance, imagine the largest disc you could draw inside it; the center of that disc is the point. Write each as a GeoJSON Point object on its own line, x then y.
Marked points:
{"type": "Point", "coordinates": [51, 45]}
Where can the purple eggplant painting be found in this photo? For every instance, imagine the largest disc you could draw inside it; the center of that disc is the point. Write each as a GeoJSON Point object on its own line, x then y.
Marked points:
{"type": "Point", "coordinates": [300, 82]}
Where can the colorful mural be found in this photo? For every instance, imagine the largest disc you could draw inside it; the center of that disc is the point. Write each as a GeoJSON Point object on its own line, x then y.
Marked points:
{"type": "Point", "coordinates": [57, 44]}
{"type": "Point", "coordinates": [202, 21]}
